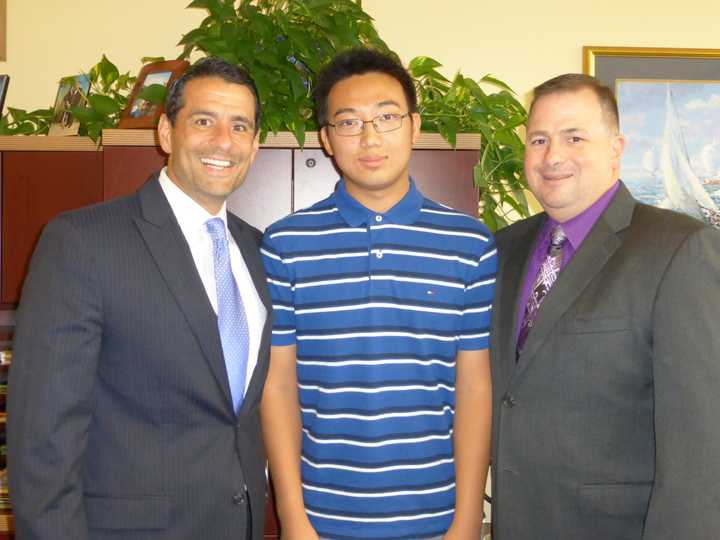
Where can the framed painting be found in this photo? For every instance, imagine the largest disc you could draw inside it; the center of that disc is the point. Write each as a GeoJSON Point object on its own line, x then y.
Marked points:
{"type": "Point", "coordinates": [144, 113]}
{"type": "Point", "coordinates": [669, 105]}
{"type": "Point", "coordinates": [4, 82]}
{"type": "Point", "coordinates": [72, 92]}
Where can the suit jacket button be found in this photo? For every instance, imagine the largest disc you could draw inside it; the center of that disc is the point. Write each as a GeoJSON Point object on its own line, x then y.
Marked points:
{"type": "Point", "coordinates": [238, 498]}
{"type": "Point", "coordinates": [508, 401]}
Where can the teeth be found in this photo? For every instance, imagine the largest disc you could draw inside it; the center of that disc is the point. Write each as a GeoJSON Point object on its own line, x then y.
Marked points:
{"type": "Point", "coordinates": [215, 162]}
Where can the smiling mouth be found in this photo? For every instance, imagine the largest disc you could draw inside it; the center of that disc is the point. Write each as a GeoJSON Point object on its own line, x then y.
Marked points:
{"type": "Point", "coordinates": [556, 177]}
{"type": "Point", "coordinates": [217, 164]}
{"type": "Point", "coordinates": [373, 162]}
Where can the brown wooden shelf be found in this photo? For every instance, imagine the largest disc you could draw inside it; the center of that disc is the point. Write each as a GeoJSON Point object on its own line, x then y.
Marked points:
{"type": "Point", "coordinates": [48, 144]}
{"type": "Point", "coordinates": [148, 137]}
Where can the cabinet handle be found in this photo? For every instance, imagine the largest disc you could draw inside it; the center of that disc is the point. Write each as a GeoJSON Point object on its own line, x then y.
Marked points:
{"type": "Point", "coordinates": [310, 163]}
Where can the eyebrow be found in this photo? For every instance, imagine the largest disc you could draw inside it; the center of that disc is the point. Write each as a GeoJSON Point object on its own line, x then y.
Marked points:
{"type": "Point", "coordinates": [212, 114]}
{"type": "Point", "coordinates": [568, 131]}
{"type": "Point", "coordinates": [386, 103]}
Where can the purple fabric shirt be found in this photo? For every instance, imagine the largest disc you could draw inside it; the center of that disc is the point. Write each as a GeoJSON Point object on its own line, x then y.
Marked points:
{"type": "Point", "coordinates": [576, 230]}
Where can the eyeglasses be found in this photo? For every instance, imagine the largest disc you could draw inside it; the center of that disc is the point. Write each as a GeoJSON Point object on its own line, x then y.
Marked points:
{"type": "Point", "coordinates": [382, 123]}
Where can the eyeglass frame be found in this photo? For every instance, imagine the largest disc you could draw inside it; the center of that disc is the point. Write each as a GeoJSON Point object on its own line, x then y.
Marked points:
{"type": "Point", "coordinates": [371, 121]}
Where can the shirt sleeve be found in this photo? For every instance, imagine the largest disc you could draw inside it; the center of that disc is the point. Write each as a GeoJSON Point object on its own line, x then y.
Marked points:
{"type": "Point", "coordinates": [282, 292]}
{"type": "Point", "coordinates": [479, 293]}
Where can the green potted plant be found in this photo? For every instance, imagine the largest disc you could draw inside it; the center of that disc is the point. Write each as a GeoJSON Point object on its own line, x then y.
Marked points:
{"type": "Point", "coordinates": [284, 43]}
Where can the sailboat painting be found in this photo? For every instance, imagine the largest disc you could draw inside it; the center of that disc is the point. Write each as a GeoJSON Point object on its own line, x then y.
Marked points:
{"type": "Point", "coordinates": [672, 156]}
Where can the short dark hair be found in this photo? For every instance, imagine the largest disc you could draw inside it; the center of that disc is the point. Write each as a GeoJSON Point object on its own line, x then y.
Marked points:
{"type": "Point", "coordinates": [211, 66]}
{"type": "Point", "coordinates": [574, 82]}
{"type": "Point", "coordinates": [360, 61]}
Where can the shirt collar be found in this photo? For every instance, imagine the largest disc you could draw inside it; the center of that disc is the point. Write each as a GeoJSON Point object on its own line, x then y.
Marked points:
{"type": "Point", "coordinates": [406, 211]}
{"type": "Point", "coordinates": [189, 214]}
{"type": "Point", "coordinates": [578, 227]}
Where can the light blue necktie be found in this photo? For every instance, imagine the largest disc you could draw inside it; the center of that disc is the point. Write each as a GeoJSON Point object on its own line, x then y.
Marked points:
{"type": "Point", "coordinates": [232, 321]}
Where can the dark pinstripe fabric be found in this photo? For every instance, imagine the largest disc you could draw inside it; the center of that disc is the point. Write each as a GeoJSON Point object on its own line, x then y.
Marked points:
{"type": "Point", "coordinates": [121, 420]}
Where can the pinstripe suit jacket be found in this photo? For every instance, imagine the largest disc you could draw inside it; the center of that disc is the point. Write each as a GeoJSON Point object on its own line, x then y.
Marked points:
{"type": "Point", "coordinates": [606, 425]}
{"type": "Point", "coordinates": [120, 418]}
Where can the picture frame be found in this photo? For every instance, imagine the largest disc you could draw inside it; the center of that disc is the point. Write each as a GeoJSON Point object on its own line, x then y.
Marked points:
{"type": "Point", "coordinates": [669, 105]}
{"type": "Point", "coordinates": [140, 113]}
{"type": "Point", "coordinates": [72, 92]}
{"type": "Point", "coordinates": [4, 83]}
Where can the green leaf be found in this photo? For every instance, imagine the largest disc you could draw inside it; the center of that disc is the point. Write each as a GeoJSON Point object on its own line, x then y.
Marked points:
{"type": "Point", "coordinates": [296, 83]}
{"type": "Point", "coordinates": [104, 105]}
{"type": "Point", "coordinates": [26, 128]}
{"type": "Point", "coordinates": [202, 4]}
{"type": "Point", "coordinates": [18, 115]}
{"type": "Point", "coordinates": [496, 82]}
{"type": "Point", "coordinates": [108, 71]}
{"type": "Point", "coordinates": [151, 59]}
{"type": "Point", "coordinates": [192, 36]}
{"type": "Point", "coordinates": [423, 66]}
{"type": "Point", "coordinates": [84, 114]}
{"type": "Point", "coordinates": [154, 93]}
{"type": "Point", "coordinates": [489, 217]}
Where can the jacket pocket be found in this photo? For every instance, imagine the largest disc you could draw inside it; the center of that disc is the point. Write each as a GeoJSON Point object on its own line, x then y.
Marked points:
{"type": "Point", "coordinates": [615, 499]}
{"type": "Point", "coordinates": [129, 512]}
{"type": "Point", "coordinates": [595, 325]}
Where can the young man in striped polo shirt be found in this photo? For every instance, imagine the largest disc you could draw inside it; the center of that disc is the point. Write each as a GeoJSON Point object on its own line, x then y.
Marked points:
{"type": "Point", "coordinates": [376, 412]}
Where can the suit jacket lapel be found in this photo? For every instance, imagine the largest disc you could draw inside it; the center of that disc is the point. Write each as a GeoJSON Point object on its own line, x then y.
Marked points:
{"type": "Point", "coordinates": [588, 262]}
{"type": "Point", "coordinates": [247, 243]}
{"type": "Point", "coordinates": [169, 249]}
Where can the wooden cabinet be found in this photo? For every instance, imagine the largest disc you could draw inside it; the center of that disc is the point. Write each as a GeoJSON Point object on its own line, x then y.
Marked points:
{"type": "Point", "coordinates": [43, 176]}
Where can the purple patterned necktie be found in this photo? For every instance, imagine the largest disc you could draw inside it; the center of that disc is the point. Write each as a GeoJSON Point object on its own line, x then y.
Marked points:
{"type": "Point", "coordinates": [547, 275]}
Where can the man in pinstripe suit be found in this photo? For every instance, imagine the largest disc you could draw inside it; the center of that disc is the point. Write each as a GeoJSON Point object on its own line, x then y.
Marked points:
{"type": "Point", "coordinates": [121, 422]}
{"type": "Point", "coordinates": [376, 412]}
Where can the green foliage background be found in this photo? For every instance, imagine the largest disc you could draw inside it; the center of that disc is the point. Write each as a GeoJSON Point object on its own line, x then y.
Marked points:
{"type": "Point", "coordinates": [283, 44]}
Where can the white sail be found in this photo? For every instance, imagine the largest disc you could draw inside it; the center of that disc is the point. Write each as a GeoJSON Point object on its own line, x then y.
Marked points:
{"type": "Point", "coordinates": [708, 159]}
{"type": "Point", "coordinates": [649, 161]}
{"type": "Point", "coordinates": [684, 190]}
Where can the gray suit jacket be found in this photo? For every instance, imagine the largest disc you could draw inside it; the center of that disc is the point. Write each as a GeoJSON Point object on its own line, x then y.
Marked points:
{"type": "Point", "coordinates": [606, 427]}
{"type": "Point", "coordinates": [120, 422]}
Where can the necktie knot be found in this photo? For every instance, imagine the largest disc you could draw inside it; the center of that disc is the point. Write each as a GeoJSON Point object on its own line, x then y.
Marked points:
{"type": "Point", "coordinates": [557, 238]}
{"type": "Point", "coordinates": [216, 228]}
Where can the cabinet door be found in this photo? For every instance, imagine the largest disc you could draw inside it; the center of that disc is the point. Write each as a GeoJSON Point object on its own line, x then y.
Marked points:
{"type": "Point", "coordinates": [265, 195]}
{"type": "Point", "coordinates": [36, 186]}
{"type": "Point", "coordinates": [445, 176]}
{"type": "Point", "coordinates": [314, 177]}
{"type": "Point", "coordinates": [126, 168]}
{"type": "Point", "coordinates": [263, 198]}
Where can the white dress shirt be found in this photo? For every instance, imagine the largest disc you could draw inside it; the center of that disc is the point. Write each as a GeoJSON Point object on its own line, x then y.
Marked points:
{"type": "Point", "coordinates": [192, 217]}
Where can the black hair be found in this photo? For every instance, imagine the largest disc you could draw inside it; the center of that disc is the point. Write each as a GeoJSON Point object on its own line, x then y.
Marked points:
{"type": "Point", "coordinates": [211, 66]}
{"type": "Point", "coordinates": [358, 62]}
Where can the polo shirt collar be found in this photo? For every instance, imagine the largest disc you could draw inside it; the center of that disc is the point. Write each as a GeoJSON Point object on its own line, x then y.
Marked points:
{"type": "Point", "coordinates": [406, 211]}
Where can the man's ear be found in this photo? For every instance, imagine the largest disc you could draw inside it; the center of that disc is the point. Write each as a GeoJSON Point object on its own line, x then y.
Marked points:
{"type": "Point", "coordinates": [326, 140]}
{"type": "Point", "coordinates": [618, 146]}
{"type": "Point", "coordinates": [416, 125]}
{"type": "Point", "coordinates": [164, 130]}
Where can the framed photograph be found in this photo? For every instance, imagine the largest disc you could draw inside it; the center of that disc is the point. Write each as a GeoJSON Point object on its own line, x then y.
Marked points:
{"type": "Point", "coordinates": [669, 104]}
{"type": "Point", "coordinates": [141, 113]}
{"type": "Point", "coordinates": [4, 82]}
{"type": "Point", "coordinates": [72, 92]}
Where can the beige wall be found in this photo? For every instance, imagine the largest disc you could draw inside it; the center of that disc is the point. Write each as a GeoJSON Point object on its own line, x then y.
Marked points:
{"type": "Point", "coordinates": [521, 42]}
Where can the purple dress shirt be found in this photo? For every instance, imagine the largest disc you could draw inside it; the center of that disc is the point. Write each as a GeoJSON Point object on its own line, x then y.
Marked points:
{"type": "Point", "coordinates": [576, 229]}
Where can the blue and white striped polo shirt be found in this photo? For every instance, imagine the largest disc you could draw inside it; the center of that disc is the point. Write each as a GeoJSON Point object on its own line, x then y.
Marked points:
{"type": "Point", "coordinates": [378, 306]}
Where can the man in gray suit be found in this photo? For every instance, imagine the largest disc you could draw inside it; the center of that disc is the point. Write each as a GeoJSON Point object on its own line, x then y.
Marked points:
{"type": "Point", "coordinates": [123, 422]}
{"type": "Point", "coordinates": [605, 381]}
